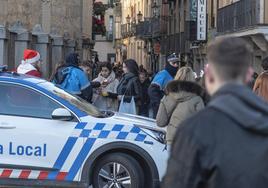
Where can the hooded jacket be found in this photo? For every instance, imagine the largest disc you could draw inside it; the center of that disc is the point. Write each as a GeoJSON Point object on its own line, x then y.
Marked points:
{"type": "Point", "coordinates": [223, 146]}
{"type": "Point", "coordinates": [71, 62]}
{"type": "Point", "coordinates": [184, 100]}
{"type": "Point", "coordinates": [72, 79]}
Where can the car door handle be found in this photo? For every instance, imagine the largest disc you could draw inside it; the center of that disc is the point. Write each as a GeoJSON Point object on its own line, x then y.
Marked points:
{"type": "Point", "coordinates": [6, 126]}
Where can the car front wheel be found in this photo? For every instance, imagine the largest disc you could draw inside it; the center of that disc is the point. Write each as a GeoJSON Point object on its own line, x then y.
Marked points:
{"type": "Point", "coordinates": [118, 170]}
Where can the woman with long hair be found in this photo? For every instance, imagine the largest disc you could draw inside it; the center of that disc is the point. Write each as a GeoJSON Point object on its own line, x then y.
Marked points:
{"type": "Point", "coordinates": [261, 86]}
{"type": "Point", "coordinates": [130, 86]}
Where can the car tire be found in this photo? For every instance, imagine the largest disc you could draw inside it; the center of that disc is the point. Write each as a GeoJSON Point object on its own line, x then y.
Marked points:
{"type": "Point", "coordinates": [118, 170]}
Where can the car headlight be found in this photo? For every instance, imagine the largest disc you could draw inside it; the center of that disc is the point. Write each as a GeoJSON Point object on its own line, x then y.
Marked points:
{"type": "Point", "coordinates": [158, 135]}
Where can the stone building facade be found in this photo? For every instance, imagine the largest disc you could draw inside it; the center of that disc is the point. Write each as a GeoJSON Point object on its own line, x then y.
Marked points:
{"type": "Point", "coordinates": [53, 27]}
{"type": "Point", "coordinates": [128, 43]}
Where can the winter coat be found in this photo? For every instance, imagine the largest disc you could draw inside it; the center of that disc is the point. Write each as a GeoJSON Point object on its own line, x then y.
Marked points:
{"type": "Point", "coordinates": [157, 87]}
{"type": "Point", "coordinates": [162, 79]}
{"type": "Point", "coordinates": [72, 79]}
{"type": "Point", "coordinates": [129, 87]}
{"type": "Point", "coordinates": [184, 101]}
{"type": "Point", "coordinates": [144, 87]}
{"type": "Point", "coordinates": [156, 94]}
{"type": "Point", "coordinates": [106, 103]}
{"type": "Point", "coordinates": [29, 69]}
{"type": "Point", "coordinates": [223, 146]}
{"type": "Point", "coordinates": [145, 103]}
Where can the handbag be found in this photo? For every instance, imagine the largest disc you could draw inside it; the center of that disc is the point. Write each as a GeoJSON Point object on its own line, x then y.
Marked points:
{"type": "Point", "coordinates": [128, 107]}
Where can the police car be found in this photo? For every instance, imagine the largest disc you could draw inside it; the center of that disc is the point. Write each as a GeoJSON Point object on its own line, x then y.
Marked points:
{"type": "Point", "coordinates": [50, 138]}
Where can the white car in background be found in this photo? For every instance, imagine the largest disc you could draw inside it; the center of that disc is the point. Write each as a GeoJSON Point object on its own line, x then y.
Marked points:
{"type": "Point", "coordinates": [51, 138]}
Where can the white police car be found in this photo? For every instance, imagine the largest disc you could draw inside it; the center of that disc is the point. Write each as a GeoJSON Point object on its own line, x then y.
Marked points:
{"type": "Point", "coordinates": [50, 138]}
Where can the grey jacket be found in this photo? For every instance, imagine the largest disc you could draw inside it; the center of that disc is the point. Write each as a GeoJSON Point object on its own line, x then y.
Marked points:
{"type": "Point", "coordinates": [183, 100]}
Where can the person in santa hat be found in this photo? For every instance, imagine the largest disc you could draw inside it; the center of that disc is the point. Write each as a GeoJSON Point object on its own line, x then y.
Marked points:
{"type": "Point", "coordinates": [31, 63]}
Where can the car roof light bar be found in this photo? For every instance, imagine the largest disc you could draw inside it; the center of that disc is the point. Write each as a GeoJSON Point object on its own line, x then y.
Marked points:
{"type": "Point", "coordinates": [3, 68]}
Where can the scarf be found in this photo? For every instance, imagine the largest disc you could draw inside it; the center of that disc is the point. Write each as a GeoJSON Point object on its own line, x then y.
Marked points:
{"type": "Point", "coordinates": [171, 70]}
{"type": "Point", "coordinates": [111, 78]}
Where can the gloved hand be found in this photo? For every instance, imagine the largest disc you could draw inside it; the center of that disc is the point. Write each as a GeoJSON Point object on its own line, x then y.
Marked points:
{"type": "Point", "coordinates": [95, 84]}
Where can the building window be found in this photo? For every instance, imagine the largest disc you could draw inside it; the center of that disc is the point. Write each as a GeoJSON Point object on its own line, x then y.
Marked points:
{"type": "Point", "coordinates": [110, 28]}
{"type": "Point", "coordinates": [111, 23]}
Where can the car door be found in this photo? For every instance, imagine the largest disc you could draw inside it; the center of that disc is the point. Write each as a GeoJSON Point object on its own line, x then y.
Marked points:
{"type": "Point", "coordinates": [30, 138]}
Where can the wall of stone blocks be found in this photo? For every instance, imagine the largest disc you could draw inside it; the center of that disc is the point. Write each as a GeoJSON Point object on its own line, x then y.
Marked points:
{"type": "Point", "coordinates": [53, 49]}
{"type": "Point", "coordinates": [61, 15]}
{"type": "Point", "coordinates": [53, 27]}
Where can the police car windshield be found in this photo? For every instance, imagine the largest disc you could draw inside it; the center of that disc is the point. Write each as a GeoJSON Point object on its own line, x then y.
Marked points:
{"type": "Point", "coordinates": [74, 100]}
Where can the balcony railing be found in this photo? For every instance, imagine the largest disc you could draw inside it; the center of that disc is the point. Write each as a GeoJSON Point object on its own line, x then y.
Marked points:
{"type": "Point", "coordinates": [128, 30]}
{"type": "Point", "coordinates": [133, 29]}
{"type": "Point", "coordinates": [144, 29]}
{"type": "Point", "coordinates": [151, 28]}
{"type": "Point", "coordinates": [237, 16]}
{"type": "Point", "coordinates": [155, 27]}
{"type": "Point", "coordinates": [124, 30]}
{"type": "Point", "coordinates": [173, 43]}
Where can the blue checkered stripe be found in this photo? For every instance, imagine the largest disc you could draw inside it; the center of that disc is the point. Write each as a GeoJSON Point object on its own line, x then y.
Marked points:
{"type": "Point", "coordinates": [109, 131]}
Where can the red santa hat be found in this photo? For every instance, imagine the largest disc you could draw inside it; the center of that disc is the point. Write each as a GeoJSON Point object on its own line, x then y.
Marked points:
{"type": "Point", "coordinates": [30, 56]}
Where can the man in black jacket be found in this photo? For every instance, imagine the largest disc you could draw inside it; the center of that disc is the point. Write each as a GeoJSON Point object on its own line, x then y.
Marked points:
{"type": "Point", "coordinates": [225, 145]}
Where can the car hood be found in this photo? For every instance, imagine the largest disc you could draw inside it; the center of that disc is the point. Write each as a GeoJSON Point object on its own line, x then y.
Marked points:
{"type": "Point", "coordinates": [140, 121]}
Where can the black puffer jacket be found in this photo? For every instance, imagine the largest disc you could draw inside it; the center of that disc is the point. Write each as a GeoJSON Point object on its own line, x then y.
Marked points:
{"type": "Point", "coordinates": [144, 87]}
{"type": "Point", "coordinates": [223, 146]}
{"type": "Point", "coordinates": [130, 86]}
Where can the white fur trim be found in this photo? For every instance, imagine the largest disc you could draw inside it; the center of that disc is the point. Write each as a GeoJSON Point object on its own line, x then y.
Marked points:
{"type": "Point", "coordinates": [34, 59]}
{"type": "Point", "coordinates": [25, 68]}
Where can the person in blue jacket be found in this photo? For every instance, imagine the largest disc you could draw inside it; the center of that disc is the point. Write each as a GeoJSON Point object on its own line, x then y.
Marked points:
{"type": "Point", "coordinates": [161, 79]}
{"type": "Point", "coordinates": [73, 79]}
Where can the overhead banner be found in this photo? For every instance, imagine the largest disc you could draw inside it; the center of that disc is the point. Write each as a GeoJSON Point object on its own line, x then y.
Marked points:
{"type": "Point", "coordinates": [202, 20]}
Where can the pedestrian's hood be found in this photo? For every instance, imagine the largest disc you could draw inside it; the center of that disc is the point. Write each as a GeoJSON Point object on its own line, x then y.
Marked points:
{"type": "Point", "coordinates": [243, 106]}
{"type": "Point", "coordinates": [138, 120]}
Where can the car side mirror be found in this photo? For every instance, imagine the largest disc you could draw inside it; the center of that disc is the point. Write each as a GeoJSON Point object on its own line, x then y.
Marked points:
{"type": "Point", "coordinates": [62, 114]}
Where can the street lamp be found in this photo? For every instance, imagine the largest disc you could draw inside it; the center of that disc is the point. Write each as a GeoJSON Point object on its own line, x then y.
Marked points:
{"type": "Point", "coordinates": [139, 16]}
{"type": "Point", "coordinates": [128, 24]}
{"type": "Point", "coordinates": [155, 8]}
{"type": "Point", "coordinates": [133, 20]}
{"type": "Point", "coordinates": [128, 19]}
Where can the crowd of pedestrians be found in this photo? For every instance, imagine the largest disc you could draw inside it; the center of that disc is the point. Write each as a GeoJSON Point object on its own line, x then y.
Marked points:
{"type": "Point", "coordinates": [225, 144]}
{"type": "Point", "coordinates": [216, 124]}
